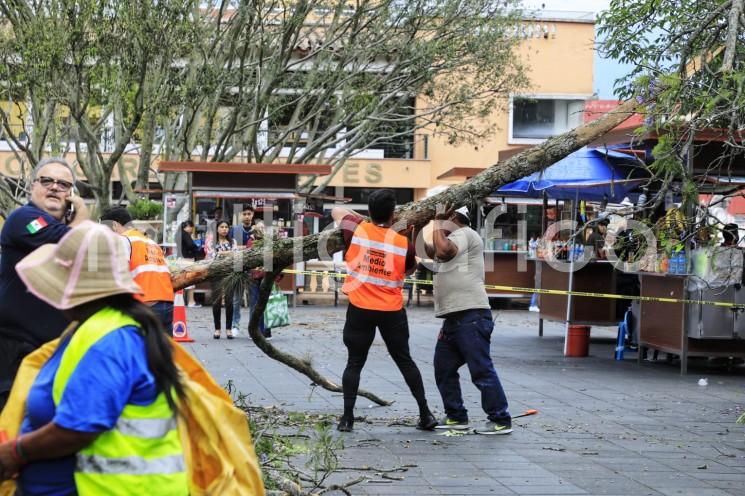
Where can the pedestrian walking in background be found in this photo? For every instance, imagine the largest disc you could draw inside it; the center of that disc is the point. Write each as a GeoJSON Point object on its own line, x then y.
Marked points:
{"type": "Point", "coordinates": [245, 234]}
{"type": "Point", "coordinates": [147, 264]}
{"type": "Point", "coordinates": [223, 244]}
{"type": "Point", "coordinates": [26, 322]}
{"type": "Point", "coordinates": [378, 259]}
{"type": "Point", "coordinates": [100, 417]}
{"type": "Point", "coordinates": [465, 337]}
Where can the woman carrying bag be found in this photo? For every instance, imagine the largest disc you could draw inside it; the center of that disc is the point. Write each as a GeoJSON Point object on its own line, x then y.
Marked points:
{"type": "Point", "coordinates": [102, 407]}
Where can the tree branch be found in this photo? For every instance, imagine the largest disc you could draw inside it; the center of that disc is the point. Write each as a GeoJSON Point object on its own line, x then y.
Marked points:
{"type": "Point", "coordinates": [302, 366]}
{"type": "Point", "coordinates": [730, 45]}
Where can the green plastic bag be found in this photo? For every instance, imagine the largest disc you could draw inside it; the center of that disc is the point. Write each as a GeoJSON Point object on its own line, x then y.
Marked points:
{"type": "Point", "coordinates": [276, 313]}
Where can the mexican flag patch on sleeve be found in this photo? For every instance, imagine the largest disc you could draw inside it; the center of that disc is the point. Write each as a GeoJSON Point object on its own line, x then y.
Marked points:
{"type": "Point", "coordinates": [36, 225]}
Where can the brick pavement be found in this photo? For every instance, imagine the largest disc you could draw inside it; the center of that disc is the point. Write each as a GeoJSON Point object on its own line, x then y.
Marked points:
{"type": "Point", "coordinates": [604, 427]}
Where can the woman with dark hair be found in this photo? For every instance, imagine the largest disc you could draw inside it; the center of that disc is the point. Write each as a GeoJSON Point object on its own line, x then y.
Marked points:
{"type": "Point", "coordinates": [188, 249]}
{"type": "Point", "coordinates": [100, 416]}
{"type": "Point", "coordinates": [222, 244]}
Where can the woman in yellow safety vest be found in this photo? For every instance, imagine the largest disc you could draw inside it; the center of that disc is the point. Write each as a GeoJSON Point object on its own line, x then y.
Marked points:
{"type": "Point", "coordinates": [100, 417]}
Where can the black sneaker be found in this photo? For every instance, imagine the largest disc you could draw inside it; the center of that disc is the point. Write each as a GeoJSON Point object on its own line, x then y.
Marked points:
{"type": "Point", "coordinates": [268, 334]}
{"type": "Point", "coordinates": [427, 422]}
{"type": "Point", "coordinates": [496, 428]}
{"type": "Point", "coordinates": [451, 424]}
{"type": "Point", "coordinates": [345, 424]}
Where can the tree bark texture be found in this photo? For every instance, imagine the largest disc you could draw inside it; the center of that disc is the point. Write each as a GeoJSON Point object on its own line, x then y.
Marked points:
{"type": "Point", "coordinates": [284, 252]}
{"type": "Point", "coordinates": [730, 45]}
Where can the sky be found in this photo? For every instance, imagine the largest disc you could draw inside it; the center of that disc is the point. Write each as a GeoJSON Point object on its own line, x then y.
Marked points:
{"type": "Point", "coordinates": [606, 71]}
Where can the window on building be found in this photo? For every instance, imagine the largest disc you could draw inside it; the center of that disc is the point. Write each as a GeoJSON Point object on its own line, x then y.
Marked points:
{"type": "Point", "coordinates": [540, 118]}
{"type": "Point", "coordinates": [295, 126]}
{"type": "Point", "coordinates": [396, 137]}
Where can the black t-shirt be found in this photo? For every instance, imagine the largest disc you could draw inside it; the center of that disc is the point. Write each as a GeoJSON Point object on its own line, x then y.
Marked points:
{"type": "Point", "coordinates": [23, 316]}
{"type": "Point", "coordinates": [597, 241]}
{"type": "Point", "coordinates": [187, 248]}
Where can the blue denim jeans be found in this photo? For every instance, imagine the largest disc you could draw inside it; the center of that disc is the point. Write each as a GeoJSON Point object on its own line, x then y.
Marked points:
{"type": "Point", "coordinates": [465, 339]}
{"type": "Point", "coordinates": [237, 301]}
{"type": "Point", "coordinates": [253, 297]}
{"type": "Point", "coordinates": [164, 311]}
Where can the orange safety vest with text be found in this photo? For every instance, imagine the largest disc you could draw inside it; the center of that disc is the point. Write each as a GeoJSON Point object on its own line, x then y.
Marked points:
{"type": "Point", "coordinates": [376, 267]}
{"type": "Point", "coordinates": [148, 267]}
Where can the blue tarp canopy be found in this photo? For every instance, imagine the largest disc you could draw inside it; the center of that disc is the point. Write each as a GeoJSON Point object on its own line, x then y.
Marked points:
{"type": "Point", "coordinates": [587, 174]}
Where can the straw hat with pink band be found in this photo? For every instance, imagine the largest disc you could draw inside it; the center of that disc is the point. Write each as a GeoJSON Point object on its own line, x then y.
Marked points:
{"type": "Point", "coordinates": [87, 264]}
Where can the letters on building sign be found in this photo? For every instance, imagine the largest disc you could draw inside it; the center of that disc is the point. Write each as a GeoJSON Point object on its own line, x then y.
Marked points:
{"type": "Point", "coordinates": [352, 173]}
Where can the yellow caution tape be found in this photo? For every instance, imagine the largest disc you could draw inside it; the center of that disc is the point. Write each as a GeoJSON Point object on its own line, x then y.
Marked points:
{"type": "Point", "coordinates": [556, 292]}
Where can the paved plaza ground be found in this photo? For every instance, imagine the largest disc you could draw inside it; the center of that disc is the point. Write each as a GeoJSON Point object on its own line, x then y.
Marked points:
{"type": "Point", "coordinates": [604, 427]}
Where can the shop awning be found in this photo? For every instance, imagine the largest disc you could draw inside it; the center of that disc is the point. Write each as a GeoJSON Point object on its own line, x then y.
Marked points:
{"type": "Point", "coordinates": [589, 174]}
{"type": "Point", "coordinates": [244, 168]}
{"type": "Point", "coordinates": [245, 195]}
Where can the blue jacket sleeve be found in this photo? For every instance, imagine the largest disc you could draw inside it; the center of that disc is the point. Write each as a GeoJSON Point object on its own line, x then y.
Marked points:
{"type": "Point", "coordinates": [112, 373]}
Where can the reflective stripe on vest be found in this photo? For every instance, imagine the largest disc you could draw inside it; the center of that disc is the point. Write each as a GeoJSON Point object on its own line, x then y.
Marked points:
{"type": "Point", "coordinates": [146, 428]}
{"type": "Point", "coordinates": [93, 464]}
{"type": "Point", "coordinates": [376, 263]}
{"type": "Point", "coordinates": [143, 452]}
{"type": "Point", "coordinates": [387, 247]}
{"type": "Point", "coordinates": [376, 280]}
{"type": "Point", "coordinates": [149, 268]}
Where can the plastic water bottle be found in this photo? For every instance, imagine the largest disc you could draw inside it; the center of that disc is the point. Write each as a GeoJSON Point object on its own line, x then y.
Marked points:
{"type": "Point", "coordinates": [672, 263]}
{"type": "Point", "coordinates": [682, 262]}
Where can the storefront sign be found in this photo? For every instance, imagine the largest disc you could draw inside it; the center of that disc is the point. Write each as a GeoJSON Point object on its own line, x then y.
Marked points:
{"type": "Point", "coordinates": [353, 172]}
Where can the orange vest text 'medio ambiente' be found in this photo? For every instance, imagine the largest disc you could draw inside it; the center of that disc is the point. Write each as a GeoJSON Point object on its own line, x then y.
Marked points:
{"type": "Point", "coordinates": [376, 267]}
{"type": "Point", "coordinates": [148, 268]}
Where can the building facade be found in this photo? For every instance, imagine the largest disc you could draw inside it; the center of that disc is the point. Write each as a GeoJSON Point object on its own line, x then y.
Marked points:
{"type": "Point", "coordinates": [558, 50]}
{"type": "Point", "coordinates": [556, 47]}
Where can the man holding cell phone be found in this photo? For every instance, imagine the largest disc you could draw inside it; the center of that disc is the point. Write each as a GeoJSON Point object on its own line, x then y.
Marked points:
{"type": "Point", "coordinates": [26, 322]}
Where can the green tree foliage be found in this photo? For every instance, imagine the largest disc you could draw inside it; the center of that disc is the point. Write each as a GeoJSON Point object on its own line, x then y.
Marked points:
{"type": "Point", "coordinates": [81, 74]}
{"type": "Point", "coordinates": [687, 66]}
{"type": "Point", "coordinates": [260, 81]}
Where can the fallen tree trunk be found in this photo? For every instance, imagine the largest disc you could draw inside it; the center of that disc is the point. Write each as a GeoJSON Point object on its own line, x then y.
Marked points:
{"type": "Point", "coordinates": [282, 253]}
{"type": "Point", "coordinates": [278, 254]}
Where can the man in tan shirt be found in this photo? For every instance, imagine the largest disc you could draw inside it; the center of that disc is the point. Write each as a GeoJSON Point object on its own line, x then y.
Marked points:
{"type": "Point", "coordinates": [461, 300]}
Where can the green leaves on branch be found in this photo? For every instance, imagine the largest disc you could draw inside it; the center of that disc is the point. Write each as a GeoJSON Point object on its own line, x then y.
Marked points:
{"type": "Point", "coordinates": [144, 209]}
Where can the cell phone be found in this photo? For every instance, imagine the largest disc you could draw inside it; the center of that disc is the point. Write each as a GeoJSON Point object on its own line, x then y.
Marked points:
{"type": "Point", "coordinates": [70, 210]}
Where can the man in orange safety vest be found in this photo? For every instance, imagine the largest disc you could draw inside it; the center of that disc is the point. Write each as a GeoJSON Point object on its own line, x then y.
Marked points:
{"type": "Point", "coordinates": [378, 259]}
{"type": "Point", "coordinates": [147, 265]}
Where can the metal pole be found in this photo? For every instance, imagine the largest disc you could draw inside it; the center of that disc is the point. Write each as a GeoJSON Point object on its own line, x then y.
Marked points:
{"type": "Point", "coordinates": [538, 263]}
{"type": "Point", "coordinates": [571, 273]}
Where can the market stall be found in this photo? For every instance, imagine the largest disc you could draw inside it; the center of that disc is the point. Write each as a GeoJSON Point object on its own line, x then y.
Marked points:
{"type": "Point", "coordinates": [227, 187]}
{"type": "Point", "coordinates": [508, 225]}
{"type": "Point", "coordinates": [599, 175]}
{"type": "Point", "coordinates": [690, 259]}
{"type": "Point", "coordinates": [693, 329]}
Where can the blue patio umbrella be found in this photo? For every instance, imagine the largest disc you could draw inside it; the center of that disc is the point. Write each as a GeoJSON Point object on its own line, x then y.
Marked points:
{"type": "Point", "coordinates": [588, 174]}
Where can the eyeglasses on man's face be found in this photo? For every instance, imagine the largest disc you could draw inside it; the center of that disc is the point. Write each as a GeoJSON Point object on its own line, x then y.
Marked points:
{"type": "Point", "coordinates": [47, 182]}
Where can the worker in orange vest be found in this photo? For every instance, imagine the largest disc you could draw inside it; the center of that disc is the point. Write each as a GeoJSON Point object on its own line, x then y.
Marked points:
{"type": "Point", "coordinates": [378, 259]}
{"type": "Point", "coordinates": [147, 264]}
